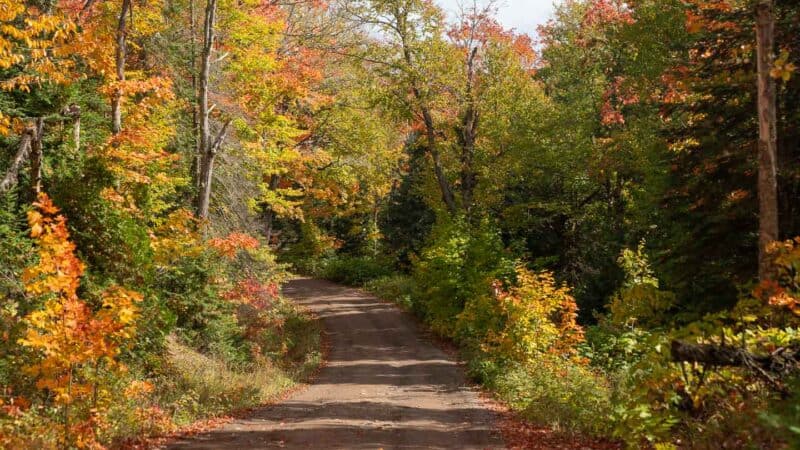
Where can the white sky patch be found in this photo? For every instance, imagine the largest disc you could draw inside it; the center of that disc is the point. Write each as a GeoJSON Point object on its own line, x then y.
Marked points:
{"type": "Point", "coordinates": [523, 15]}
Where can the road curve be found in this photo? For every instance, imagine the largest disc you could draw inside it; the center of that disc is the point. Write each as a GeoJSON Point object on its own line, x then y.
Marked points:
{"type": "Point", "coordinates": [385, 386]}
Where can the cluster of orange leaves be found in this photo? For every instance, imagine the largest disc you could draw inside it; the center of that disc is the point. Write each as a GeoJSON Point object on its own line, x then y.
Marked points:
{"type": "Point", "coordinates": [252, 292]}
{"type": "Point", "coordinates": [138, 153]}
{"type": "Point", "coordinates": [481, 29]}
{"type": "Point", "coordinates": [784, 291]}
{"type": "Point", "coordinates": [618, 95]}
{"type": "Point", "coordinates": [705, 16]}
{"type": "Point", "coordinates": [70, 339]}
{"type": "Point", "coordinates": [230, 245]}
{"type": "Point", "coordinates": [604, 12]}
{"type": "Point", "coordinates": [782, 68]}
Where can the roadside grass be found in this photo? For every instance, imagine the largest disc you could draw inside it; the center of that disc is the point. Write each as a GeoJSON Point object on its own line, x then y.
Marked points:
{"type": "Point", "coordinates": [196, 386]}
{"type": "Point", "coordinates": [192, 386]}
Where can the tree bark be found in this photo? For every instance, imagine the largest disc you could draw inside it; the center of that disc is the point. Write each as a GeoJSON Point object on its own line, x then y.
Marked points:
{"type": "Point", "coordinates": [269, 213]}
{"type": "Point", "coordinates": [23, 153]}
{"type": "Point", "coordinates": [36, 157]}
{"type": "Point", "coordinates": [207, 153]}
{"type": "Point", "coordinates": [195, 115]}
{"type": "Point", "coordinates": [74, 111]}
{"type": "Point", "coordinates": [207, 172]}
{"type": "Point", "coordinates": [441, 178]}
{"type": "Point", "coordinates": [768, 138]}
{"type": "Point", "coordinates": [121, 56]}
{"type": "Point", "coordinates": [469, 134]}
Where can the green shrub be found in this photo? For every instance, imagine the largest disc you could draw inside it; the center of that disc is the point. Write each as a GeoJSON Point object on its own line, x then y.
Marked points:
{"type": "Point", "coordinates": [354, 270]}
{"type": "Point", "coordinates": [114, 243]}
{"type": "Point", "coordinates": [313, 246]}
{"type": "Point", "coordinates": [396, 288]}
{"type": "Point", "coordinates": [16, 252]}
{"type": "Point", "coordinates": [562, 394]}
{"type": "Point", "coordinates": [784, 416]}
{"type": "Point", "coordinates": [459, 264]}
{"type": "Point", "coordinates": [611, 350]}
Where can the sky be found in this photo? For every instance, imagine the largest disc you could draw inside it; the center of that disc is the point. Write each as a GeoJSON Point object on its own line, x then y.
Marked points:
{"type": "Point", "coordinates": [524, 15]}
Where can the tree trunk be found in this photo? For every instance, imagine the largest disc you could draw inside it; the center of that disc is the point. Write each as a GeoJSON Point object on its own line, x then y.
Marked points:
{"type": "Point", "coordinates": [195, 115]}
{"type": "Point", "coordinates": [767, 140]}
{"type": "Point", "coordinates": [469, 134]}
{"type": "Point", "coordinates": [74, 111]}
{"type": "Point", "coordinates": [121, 55]}
{"type": "Point", "coordinates": [269, 213]}
{"type": "Point", "coordinates": [206, 156]}
{"type": "Point", "coordinates": [427, 117]}
{"type": "Point", "coordinates": [36, 157]}
{"type": "Point", "coordinates": [207, 172]}
{"type": "Point", "coordinates": [206, 176]}
{"type": "Point", "coordinates": [441, 178]}
{"type": "Point", "coordinates": [23, 153]}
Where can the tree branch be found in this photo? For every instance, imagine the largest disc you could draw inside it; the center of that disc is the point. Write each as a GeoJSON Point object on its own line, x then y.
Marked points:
{"type": "Point", "coordinates": [220, 138]}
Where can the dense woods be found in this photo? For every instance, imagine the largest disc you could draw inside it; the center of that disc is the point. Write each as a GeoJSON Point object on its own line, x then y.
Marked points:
{"type": "Point", "coordinates": [603, 217]}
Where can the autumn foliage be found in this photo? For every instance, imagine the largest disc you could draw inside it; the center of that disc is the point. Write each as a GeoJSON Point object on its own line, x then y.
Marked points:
{"type": "Point", "coordinates": [75, 345]}
{"type": "Point", "coordinates": [230, 245]}
{"type": "Point", "coordinates": [540, 319]}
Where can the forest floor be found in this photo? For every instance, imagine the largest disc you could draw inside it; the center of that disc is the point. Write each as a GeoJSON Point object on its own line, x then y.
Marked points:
{"type": "Point", "coordinates": [385, 384]}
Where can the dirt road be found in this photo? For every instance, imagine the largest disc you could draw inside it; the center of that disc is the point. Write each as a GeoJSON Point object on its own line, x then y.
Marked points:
{"type": "Point", "coordinates": [385, 386]}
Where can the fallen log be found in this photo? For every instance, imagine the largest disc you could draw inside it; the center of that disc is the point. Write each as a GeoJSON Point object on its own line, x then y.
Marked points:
{"type": "Point", "coordinates": [769, 367]}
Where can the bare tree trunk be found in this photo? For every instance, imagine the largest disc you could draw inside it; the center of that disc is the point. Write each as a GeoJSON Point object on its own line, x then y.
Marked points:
{"type": "Point", "coordinates": [74, 111]}
{"type": "Point", "coordinates": [469, 134]}
{"type": "Point", "coordinates": [23, 153]}
{"type": "Point", "coordinates": [205, 177]}
{"type": "Point", "coordinates": [195, 115]}
{"type": "Point", "coordinates": [441, 178]}
{"type": "Point", "coordinates": [36, 157]}
{"type": "Point", "coordinates": [769, 367]}
{"type": "Point", "coordinates": [768, 138]}
{"type": "Point", "coordinates": [269, 213]}
{"type": "Point", "coordinates": [207, 172]}
{"type": "Point", "coordinates": [205, 156]}
{"type": "Point", "coordinates": [121, 55]}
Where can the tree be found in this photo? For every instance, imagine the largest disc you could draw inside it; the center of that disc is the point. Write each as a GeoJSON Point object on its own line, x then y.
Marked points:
{"type": "Point", "coordinates": [33, 54]}
{"type": "Point", "coordinates": [72, 342]}
{"type": "Point", "coordinates": [209, 144]}
{"type": "Point", "coordinates": [414, 59]}
{"type": "Point", "coordinates": [767, 138]}
{"type": "Point", "coordinates": [121, 55]}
